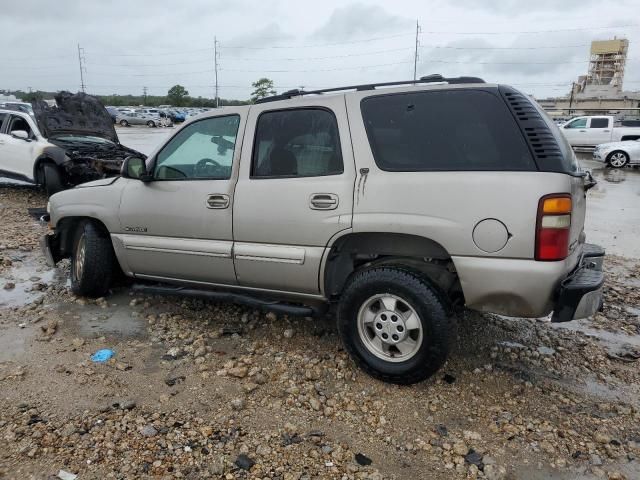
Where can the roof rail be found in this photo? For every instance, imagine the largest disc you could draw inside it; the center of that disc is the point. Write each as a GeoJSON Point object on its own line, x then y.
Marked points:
{"type": "Point", "coordinates": [435, 78]}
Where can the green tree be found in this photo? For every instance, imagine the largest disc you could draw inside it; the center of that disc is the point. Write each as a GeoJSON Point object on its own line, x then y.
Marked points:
{"type": "Point", "coordinates": [263, 88]}
{"type": "Point", "coordinates": [177, 95]}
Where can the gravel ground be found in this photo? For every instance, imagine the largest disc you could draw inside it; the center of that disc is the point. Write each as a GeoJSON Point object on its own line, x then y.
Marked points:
{"type": "Point", "coordinates": [205, 390]}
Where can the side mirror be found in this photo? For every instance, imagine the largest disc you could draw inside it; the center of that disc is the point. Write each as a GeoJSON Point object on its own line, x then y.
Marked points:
{"type": "Point", "coordinates": [136, 168]}
{"type": "Point", "coordinates": [21, 134]}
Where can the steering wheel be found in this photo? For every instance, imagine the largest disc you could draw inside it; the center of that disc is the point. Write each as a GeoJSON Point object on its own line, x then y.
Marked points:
{"type": "Point", "coordinates": [201, 167]}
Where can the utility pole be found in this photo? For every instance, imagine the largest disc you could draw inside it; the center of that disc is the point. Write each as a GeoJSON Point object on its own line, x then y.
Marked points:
{"type": "Point", "coordinates": [573, 87]}
{"type": "Point", "coordinates": [415, 57]}
{"type": "Point", "coordinates": [215, 67]}
{"type": "Point", "coordinates": [82, 68]}
{"type": "Point", "coordinates": [144, 95]}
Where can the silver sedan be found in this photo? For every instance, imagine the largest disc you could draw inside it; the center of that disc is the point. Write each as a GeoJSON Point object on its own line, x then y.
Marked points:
{"type": "Point", "coordinates": [618, 154]}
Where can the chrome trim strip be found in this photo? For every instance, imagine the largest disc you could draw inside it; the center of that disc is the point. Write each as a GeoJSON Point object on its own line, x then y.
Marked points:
{"type": "Point", "coordinates": [182, 252]}
{"type": "Point", "coordinates": [269, 259]}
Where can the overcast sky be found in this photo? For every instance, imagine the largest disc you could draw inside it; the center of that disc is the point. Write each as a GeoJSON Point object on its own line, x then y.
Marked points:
{"type": "Point", "coordinates": [540, 46]}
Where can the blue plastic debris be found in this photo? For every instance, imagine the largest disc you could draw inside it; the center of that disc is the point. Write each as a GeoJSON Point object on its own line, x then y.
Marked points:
{"type": "Point", "coordinates": [103, 355]}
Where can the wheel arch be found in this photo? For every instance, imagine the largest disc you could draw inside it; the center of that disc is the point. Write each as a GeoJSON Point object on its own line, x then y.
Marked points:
{"type": "Point", "coordinates": [52, 156]}
{"type": "Point", "coordinates": [353, 251]}
{"type": "Point", "coordinates": [66, 228]}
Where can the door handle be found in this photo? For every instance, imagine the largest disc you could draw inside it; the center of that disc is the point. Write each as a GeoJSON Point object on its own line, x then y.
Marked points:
{"type": "Point", "coordinates": [217, 200]}
{"type": "Point", "coordinates": [323, 201]}
{"type": "Point", "coordinates": [606, 131]}
{"type": "Point", "coordinates": [583, 131]}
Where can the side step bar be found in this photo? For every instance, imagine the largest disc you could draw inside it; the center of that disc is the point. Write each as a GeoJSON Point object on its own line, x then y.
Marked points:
{"type": "Point", "coordinates": [231, 297]}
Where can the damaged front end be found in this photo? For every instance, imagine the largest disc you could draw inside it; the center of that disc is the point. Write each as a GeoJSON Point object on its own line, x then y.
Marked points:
{"type": "Point", "coordinates": [81, 126]}
{"type": "Point", "coordinates": [87, 163]}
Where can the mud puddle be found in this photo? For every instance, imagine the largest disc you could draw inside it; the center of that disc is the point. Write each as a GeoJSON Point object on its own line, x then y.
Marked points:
{"type": "Point", "coordinates": [113, 319]}
{"type": "Point", "coordinates": [26, 279]}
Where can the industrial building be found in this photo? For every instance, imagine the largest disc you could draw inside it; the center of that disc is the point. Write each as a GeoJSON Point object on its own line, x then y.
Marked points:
{"type": "Point", "coordinates": [601, 89]}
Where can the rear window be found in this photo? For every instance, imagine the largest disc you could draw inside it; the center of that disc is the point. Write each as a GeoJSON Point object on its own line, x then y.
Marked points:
{"type": "Point", "coordinates": [444, 130]}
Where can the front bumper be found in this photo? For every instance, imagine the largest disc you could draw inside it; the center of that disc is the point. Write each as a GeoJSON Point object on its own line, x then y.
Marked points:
{"type": "Point", "coordinates": [599, 156]}
{"type": "Point", "coordinates": [49, 245]}
{"type": "Point", "coordinates": [580, 294]}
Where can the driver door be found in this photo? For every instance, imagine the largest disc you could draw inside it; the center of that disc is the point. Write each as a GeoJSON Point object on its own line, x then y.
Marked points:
{"type": "Point", "coordinates": [17, 153]}
{"type": "Point", "coordinates": [575, 131]}
{"type": "Point", "coordinates": [179, 225]}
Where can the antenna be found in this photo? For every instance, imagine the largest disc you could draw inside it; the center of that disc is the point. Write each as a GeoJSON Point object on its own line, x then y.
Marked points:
{"type": "Point", "coordinates": [83, 69]}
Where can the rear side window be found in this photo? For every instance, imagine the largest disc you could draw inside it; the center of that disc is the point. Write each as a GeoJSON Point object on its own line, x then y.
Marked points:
{"type": "Point", "coordinates": [599, 123]}
{"type": "Point", "coordinates": [3, 116]}
{"type": "Point", "coordinates": [301, 142]}
{"type": "Point", "coordinates": [444, 130]}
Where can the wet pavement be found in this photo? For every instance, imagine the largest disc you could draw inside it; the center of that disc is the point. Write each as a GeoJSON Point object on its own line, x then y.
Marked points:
{"type": "Point", "coordinates": [613, 209]}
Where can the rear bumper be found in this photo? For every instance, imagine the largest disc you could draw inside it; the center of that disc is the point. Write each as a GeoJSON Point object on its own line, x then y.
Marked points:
{"type": "Point", "coordinates": [580, 294]}
{"type": "Point", "coordinates": [528, 288]}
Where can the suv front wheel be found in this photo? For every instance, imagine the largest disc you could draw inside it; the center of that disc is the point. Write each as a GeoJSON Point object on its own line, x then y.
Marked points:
{"type": "Point", "coordinates": [92, 262]}
{"type": "Point", "coordinates": [393, 325]}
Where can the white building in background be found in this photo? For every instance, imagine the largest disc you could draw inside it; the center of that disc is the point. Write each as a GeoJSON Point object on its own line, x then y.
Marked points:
{"type": "Point", "coordinates": [601, 89]}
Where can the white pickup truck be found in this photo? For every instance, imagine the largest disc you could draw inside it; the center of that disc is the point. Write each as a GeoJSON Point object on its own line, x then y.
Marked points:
{"type": "Point", "coordinates": [589, 131]}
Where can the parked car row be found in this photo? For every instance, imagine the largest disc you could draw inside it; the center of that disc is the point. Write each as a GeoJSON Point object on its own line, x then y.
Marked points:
{"type": "Point", "coordinates": [153, 117]}
{"type": "Point", "coordinates": [616, 144]}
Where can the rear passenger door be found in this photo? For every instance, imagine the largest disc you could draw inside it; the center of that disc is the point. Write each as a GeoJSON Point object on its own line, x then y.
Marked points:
{"type": "Point", "coordinates": [294, 193]}
{"type": "Point", "coordinates": [599, 130]}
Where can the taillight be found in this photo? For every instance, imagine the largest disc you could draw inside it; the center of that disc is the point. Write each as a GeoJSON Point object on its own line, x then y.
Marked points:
{"type": "Point", "coordinates": [552, 227]}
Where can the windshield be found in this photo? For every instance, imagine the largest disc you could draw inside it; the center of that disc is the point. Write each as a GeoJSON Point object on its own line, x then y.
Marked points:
{"type": "Point", "coordinates": [82, 139]}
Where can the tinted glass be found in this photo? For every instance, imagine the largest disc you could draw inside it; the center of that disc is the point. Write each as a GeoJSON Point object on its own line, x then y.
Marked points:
{"type": "Point", "coordinates": [297, 143]}
{"type": "Point", "coordinates": [577, 123]}
{"type": "Point", "coordinates": [599, 123]}
{"type": "Point", "coordinates": [444, 130]}
{"type": "Point", "coordinates": [18, 123]}
{"type": "Point", "coordinates": [202, 150]}
{"type": "Point", "coordinates": [3, 116]}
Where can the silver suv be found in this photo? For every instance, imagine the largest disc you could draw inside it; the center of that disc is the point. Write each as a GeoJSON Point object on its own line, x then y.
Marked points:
{"type": "Point", "coordinates": [390, 202]}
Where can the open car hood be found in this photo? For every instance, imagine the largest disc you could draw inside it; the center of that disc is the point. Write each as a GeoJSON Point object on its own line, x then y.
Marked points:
{"type": "Point", "coordinates": [76, 114]}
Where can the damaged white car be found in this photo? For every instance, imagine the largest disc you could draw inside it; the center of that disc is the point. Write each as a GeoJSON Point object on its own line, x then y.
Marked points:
{"type": "Point", "coordinates": [62, 146]}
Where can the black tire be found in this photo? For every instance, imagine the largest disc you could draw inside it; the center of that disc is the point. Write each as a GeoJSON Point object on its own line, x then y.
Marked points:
{"type": "Point", "coordinates": [96, 274]}
{"type": "Point", "coordinates": [421, 296]}
{"type": "Point", "coordinates": [151, 124]}
{"type": "Point", "coordinates": [124, 123]}
{"type": "Point", "coordinates": [51, 179]}
{"type": "Point", "coordinates": [618, 154]}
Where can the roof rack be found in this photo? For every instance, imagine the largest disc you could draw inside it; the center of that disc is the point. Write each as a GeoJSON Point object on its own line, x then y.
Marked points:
{"type": "Point", "coordinates": [435, 78]}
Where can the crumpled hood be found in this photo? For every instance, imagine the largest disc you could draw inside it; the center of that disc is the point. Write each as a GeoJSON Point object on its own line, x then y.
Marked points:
{"type": "Point", "coordinates": [77, 114]}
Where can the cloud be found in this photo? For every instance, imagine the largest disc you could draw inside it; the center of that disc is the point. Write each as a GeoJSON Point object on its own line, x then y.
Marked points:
{"type": "Point", "coordinates": [524, 7]}
{"type": "Point", "coordinates": [359, 19]}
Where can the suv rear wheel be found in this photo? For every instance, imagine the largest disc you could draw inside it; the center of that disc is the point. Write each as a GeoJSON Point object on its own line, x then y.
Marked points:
{"type": "Point", "coordinates": [92, 261]}
{"type": "Point", "coordinates": [393, 325]}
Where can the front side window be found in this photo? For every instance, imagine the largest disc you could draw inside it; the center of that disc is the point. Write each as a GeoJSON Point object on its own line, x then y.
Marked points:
{"type": "Point", "coordinates": [577, 123]}
{"type": "Point", "coordinates": [296, 143]}
{"type": "Point", "coordinates": [202, 150]}
{"type": "Point", "coordinates": [447, 130]}
{"type": "Point", "coordinates": [599, 123]}
{"type": "Point", "coordinates": [19, 123]}
{"type": "Point", "coordinates": [3, 116]}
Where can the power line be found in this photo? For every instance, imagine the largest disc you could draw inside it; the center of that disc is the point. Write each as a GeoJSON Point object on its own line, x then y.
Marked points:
{"type": "Point", "coordinates": [578, 29]}
{"type": "Point", "coordinates": [372, 39]}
